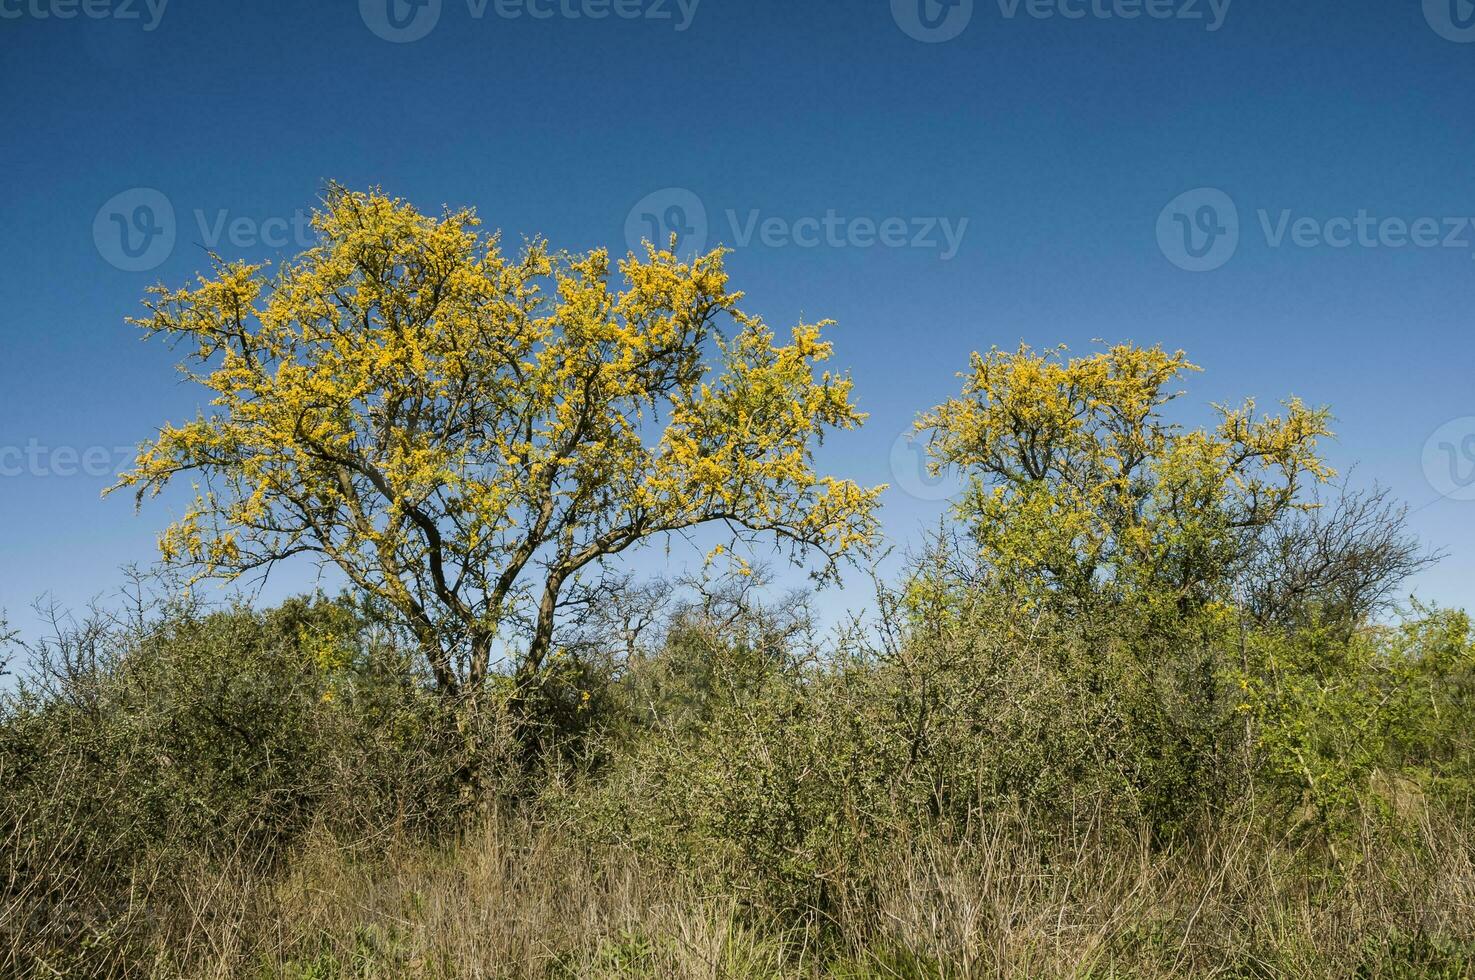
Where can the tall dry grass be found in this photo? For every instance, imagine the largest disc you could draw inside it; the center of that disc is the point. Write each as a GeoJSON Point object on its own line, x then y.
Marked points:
{"type": "Point", "coordinates": [514, 899]}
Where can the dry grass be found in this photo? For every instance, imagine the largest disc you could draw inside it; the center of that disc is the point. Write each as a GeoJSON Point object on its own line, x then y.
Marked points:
{"type": "Point", "coordinates": [513, 900]}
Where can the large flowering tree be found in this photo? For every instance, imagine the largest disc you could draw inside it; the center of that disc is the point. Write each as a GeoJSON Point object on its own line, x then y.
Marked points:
{"type": "Point", "coordinates": [464, 433]}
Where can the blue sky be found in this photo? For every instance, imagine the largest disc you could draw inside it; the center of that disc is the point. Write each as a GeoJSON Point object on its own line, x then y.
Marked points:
{"type": "Point", "coordinates": [1284, 190]}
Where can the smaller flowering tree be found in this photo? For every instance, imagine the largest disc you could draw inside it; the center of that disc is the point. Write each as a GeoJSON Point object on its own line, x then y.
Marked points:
{"type": "Point", "coordinates": [465, 433]}
{"type": "Point", "coordinates": [1082, 492]}
{"type": "Point", "coordinates": [1107, 547]}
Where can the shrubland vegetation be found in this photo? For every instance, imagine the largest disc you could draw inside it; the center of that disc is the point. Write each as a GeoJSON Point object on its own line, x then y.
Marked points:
{"type": "Point", "coordinates": [1149, 704]}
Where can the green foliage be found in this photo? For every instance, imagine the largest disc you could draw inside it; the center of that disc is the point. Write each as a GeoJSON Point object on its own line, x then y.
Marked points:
{"type": "Point", "coordinates": [134, 750]}
{"type": "Point", "coordinates": [728, 749]}
{"type": "Point", "coordinates": [1105, 549]}
{"type": "Point", "coordinates": [1140, 642]}
{"type": "Point", "coordinates": [1083, 492]}
{"type": "Point", "coordinates": [377, 954]}
{"type": "Point", "coordinates": [1329, 715]}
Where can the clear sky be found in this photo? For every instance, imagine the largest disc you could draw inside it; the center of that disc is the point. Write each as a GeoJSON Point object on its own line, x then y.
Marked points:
{"type": "Point", "coordinates": [1283, 189]}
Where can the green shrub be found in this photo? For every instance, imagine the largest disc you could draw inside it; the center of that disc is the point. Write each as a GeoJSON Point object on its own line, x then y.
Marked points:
{"type": "Point", "coordinates": [1331, 714]}
{"type": "Point", "coordinates": [133, 752]}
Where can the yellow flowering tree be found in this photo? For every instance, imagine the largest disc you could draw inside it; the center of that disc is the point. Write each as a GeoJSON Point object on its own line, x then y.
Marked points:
{"type": "Point", "coordinates": [1106, 551]}
{"type": "Point", "coordinates": [1081, 489]}
{"type": "Point", "coordinates": [465, 433]}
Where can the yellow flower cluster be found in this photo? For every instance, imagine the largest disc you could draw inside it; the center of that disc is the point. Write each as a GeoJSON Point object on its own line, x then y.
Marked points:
{"type": "Point", "coordinates": [441, 419]}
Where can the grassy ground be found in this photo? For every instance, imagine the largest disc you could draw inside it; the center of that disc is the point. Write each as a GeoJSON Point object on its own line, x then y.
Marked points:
{"type": "Point", "coordinates": [512, 901]}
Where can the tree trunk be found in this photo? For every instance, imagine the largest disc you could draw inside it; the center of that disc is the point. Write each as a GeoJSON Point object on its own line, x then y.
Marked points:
{"type": "Point", "coordinates": [446, 682]}
{"type": "Point", "coordinates": [543, 631]}
{"type": "Point", "coordinates": [481, 657]}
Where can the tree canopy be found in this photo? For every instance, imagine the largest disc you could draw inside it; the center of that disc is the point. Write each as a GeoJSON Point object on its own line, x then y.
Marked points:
{"type": "Point", "coordinates": [1082, 490]}
{"type": "Point", "coordinates": [465, 433]}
